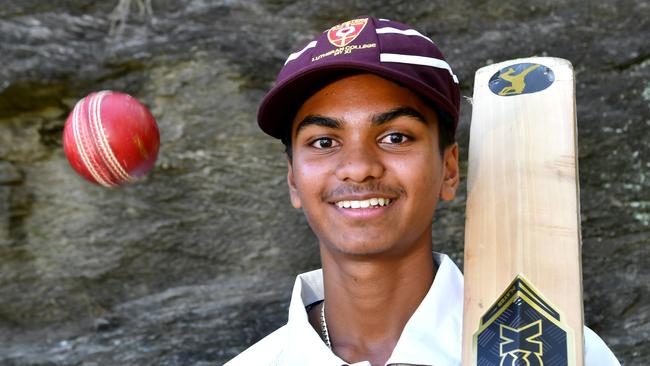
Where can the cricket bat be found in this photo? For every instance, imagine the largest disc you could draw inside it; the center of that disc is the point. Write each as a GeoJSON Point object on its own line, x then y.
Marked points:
{"type": "Point", "coordinates": [523, 273]}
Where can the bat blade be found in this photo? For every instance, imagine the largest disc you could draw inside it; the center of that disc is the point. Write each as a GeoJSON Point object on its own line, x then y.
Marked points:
{"type": "Point", "coordinates": [523, 275]}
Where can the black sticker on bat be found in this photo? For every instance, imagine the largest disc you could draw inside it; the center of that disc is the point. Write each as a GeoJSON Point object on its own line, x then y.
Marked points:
{"type": "Point", "coordinates": [522, 328]}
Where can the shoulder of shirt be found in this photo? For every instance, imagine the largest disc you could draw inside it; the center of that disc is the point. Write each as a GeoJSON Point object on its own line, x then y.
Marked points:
{"type": "Point", "coordinates": [596, 351]}
{"type": "Point", "coordinates": [266, 352]}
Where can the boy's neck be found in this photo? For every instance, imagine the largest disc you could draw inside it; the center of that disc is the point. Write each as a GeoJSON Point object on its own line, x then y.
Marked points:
{"type": "Point", "coordinates": [370, 300]}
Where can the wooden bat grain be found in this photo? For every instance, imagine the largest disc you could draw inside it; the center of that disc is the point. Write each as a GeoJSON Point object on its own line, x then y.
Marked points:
{"type": "Point", "coordinates": [523, 212]}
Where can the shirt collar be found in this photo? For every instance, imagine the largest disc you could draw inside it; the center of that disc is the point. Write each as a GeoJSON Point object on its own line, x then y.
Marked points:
{"type": "Point", "coordinates": [305, 346]}
{"type": "Point", "coordinates": [432, 336]}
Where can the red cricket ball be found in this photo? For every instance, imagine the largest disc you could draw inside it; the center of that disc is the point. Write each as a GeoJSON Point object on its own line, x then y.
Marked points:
{"type": "Point", "coordinates": [111, 139]}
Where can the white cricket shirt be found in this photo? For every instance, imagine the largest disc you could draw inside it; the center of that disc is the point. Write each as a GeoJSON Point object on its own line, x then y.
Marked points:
{"type": "Point", "coordinates": [432, 336]}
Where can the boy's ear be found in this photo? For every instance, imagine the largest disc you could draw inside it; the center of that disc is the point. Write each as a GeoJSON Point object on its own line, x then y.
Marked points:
{"type": "Point", "coordinates": [451, 175]}
{"type": "Point", "coordinates": [293, 191]}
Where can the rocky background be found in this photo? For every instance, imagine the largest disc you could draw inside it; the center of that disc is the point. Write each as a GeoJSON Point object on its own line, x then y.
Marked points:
{"type": "Point", "coordinates": [195, 262]}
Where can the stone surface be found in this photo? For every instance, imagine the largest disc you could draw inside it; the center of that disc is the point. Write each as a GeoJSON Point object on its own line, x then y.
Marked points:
{"type": "Point", "coordinates": [195, 262]}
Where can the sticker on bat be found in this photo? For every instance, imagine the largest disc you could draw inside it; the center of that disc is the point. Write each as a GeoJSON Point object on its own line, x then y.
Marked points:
{"type": "Point", "coordinates": [522, 328]}
{"type": "Point", "coordinates": [523, 78]}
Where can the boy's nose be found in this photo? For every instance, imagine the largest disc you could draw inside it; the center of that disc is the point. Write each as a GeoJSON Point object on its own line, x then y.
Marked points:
{"type": "Point", "coordinates": [359, 163]}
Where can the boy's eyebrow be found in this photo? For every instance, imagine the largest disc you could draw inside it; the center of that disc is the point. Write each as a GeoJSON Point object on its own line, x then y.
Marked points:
{"type": "Point", "coordinates": [396, 113]}
{"type": "Point", "coordinates": [378, 119]}
{"type": "Point", "coordinates": [319, 121]}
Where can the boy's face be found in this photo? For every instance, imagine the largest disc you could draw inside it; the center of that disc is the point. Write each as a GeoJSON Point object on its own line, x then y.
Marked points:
{"type": "Point", "coordinates": [358, 141]}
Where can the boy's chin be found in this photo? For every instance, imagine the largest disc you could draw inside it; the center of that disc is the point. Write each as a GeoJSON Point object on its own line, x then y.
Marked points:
{"type": "Point", "coordinates": [364, 250]}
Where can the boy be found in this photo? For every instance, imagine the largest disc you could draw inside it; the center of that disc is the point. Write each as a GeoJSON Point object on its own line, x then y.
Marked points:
{"type": "Point", "coordinates": [367, 112]}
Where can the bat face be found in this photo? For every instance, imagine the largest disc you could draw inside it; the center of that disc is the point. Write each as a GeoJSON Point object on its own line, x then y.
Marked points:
{"type": "Point", "coordinates": [523, 292]}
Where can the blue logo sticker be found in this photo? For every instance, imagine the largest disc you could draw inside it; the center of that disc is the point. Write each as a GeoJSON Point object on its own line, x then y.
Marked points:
{"type": "Point", "coordinates": [524, 78]}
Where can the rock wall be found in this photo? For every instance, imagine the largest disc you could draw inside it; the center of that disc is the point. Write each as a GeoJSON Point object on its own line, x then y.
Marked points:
{"type": "Point", "coordinates": [195, 262]}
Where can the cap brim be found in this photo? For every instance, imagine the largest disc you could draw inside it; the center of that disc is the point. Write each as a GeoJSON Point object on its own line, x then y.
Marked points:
{"type": "Point", "coordinates": [279, 107]}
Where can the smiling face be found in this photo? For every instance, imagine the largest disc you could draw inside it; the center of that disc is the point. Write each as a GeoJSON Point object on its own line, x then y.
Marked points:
{"type": "Point", "coordinates": [366, 167]}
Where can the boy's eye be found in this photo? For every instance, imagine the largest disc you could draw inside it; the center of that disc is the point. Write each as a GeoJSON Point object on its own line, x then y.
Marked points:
{"type": "Point", "coordinates": [394, 138]}
{"type": "Point", "coordinates": [323, 143]}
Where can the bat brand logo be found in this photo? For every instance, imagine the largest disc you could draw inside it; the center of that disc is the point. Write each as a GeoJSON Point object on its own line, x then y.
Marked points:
{"type": "Point", "coordinates": [523, 328]}
{"type": "Point", "coordinates": [521, 346]}
{"type": "Point", "coordinates": [523, 78]}
{"type": "Point", "coordinates": [341, 35]}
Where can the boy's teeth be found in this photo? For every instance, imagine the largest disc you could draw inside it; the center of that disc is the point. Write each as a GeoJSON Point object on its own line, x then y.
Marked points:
{"type": "Point", "coordinates": [372, 202]}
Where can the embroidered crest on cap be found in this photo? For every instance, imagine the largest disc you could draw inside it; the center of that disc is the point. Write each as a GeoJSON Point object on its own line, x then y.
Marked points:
{"type": "Point", "coordinates": [344, 33]}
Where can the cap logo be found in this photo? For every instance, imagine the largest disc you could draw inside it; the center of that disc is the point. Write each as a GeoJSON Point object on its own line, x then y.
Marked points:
{"type": "Point", "coordinates": [341, 35]}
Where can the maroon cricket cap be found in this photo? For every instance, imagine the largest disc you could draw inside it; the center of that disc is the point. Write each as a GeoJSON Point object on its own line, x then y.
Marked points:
{"type": "Point", "coordinates": [389, 49]}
